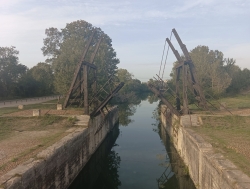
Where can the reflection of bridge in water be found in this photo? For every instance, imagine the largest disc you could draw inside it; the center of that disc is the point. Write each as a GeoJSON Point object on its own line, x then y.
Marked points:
{"type": "Point", "coordinates": [176, 174]}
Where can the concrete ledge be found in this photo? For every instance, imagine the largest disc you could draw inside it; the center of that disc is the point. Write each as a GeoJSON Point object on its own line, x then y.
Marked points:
{"type": "Point", "coordinates": [208, 170]}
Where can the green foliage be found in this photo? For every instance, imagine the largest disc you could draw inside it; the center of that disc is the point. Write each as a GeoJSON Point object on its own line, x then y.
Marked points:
{"type": "Point", "coordinates": [131, 88]}
{"type": "Point", "coordinates": [16, 80]}
{"type": "Point", "coordinates": [240, 80]}
{"type": "Point", "coordinates": [38, 81]}
{"type": "Point", "coordinates": [215, 74]}
{"type": "Point", "coordinates": [64, 50]}
{"type": "Point", "coordinates": [10, 71]}
{"type": "Point", "coordinates": [210, 70]}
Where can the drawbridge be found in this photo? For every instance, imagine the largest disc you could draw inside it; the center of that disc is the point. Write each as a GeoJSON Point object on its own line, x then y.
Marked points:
{"type": "Point", "coordinates": [84, 90]}
{"type": "Point", "coordinates": [185, 80]}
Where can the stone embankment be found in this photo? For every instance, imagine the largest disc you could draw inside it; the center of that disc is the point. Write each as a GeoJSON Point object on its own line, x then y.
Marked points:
{"type": "Point", "coordinates": [59, 164]}
{"type": "Point", "coordinates": [208, 169]}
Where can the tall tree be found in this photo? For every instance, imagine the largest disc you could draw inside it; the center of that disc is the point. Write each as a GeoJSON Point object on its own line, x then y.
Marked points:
{"type": "Point", "coordinates": [10, 71]}
{"type": "Point", "coordinates": [210, 70]}
{"type": "Point", "coordinates": [64, 49]}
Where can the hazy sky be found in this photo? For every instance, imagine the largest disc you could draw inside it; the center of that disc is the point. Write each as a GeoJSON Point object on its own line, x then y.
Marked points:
{"type": "Point", "coordinates": [138, 28]}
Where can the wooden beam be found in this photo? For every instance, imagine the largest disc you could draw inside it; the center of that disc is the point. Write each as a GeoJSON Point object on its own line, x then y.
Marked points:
{"type": "Point", "coordinates": [85, 90]}
{"type": "Point", "coordinates": [177, 55]}
{"type": "Point", "coordinates": [78, 68]}
{"type": "Point", "coordinates": [185, 98]}
{"type": "Point", "coordinates": [85, 63]}
{"type": "Point", "coordinates": [107, 99]}
{"type": "Point", "coordinates": [163, 99]}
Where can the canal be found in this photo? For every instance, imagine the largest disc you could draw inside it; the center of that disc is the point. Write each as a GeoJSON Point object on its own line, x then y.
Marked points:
{"type": "Point", "coordinates": [137, 154]}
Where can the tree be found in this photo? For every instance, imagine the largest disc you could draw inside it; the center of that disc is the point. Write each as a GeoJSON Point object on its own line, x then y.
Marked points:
{"type": "Point", "coordinates": [64, 49]}
{"type": "Point", "coordinates": [43, 75]}
{"type": "Point", "coordinates": [210, 71]}
{"type": "Point", "coordinates": [10, 71]}
{"type": "Point", "coordinates": [240, 80]}
{"type": "Point", "coordinates": [132, 87]}
{"type": "Point", "coordinates": [38, 81]}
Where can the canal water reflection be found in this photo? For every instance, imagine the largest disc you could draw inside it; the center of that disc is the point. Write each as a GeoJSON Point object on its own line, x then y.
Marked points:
{"type": "Point", "coordinates": [140, 158]}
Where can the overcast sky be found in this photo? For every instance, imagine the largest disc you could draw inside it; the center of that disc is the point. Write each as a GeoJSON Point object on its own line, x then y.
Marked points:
{"type": "Point", "coordinates": [138, 28]}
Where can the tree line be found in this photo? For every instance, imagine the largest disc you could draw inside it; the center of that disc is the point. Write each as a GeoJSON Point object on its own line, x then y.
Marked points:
{"type": "Point", "coordinates": [63, 49]}
{"type": "Point", "coordinates": [218, 76]}
{"type": "Point", "coordinates": [16, 80]}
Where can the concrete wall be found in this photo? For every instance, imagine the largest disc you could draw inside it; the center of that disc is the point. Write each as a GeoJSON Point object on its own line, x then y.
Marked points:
{"type": "Point", "coordinates": [59, 164]}
{"type": "Point", "coordinates": [176, 165]}
{"type": "Point", "coordinates": [208, 170]}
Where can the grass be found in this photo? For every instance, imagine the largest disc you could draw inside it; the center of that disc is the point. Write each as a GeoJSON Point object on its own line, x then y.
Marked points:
{"type": "Point", "coordinates": [49, 120]}
{"type": "Point", "coordinates": [231, 102]}
{"type": "Point", "coordinates": [229, 135]}
{"type": "Point", "coordinates": [237, 102]}
{"type": "Point", "coordinates": [8, 125]}
{"type": "Point", "coordinates": [45, 105]}
{"type": "Point", "coordinates": [8, 110]}
{"type": "Point", "coordinates": [44, 142]}
{"type": "Point", "coordinates": [56, 124]}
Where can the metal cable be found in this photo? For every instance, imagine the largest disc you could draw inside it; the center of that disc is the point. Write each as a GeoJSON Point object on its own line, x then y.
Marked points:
{"type": "Point", "coordinates": [166, 57]}
{"type": "Point", "coordinates": [162, 56]}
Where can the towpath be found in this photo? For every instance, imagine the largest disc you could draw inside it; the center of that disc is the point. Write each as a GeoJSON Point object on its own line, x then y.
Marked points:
{"type": "Point", "coordinates": [26, 101]}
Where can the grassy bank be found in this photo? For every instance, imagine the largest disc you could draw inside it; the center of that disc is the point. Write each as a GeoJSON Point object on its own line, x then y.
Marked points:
{"type": "Point", "coordinates": [229, 135]}
{"type": "Point", "coordinates": [23, 137]}
{"type": "Point", "coordinates": [10, 125]}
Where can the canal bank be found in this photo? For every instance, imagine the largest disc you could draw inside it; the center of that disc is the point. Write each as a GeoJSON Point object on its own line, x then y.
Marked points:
{"type": "Point", "coordinates": [206, 168]}
{"type": "Point", "coordinates": [58, 165]}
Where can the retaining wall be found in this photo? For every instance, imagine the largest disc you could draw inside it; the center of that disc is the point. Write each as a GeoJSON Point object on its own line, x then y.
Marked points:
{"type": "Point", "coordinates": [208, 170]}
{"type": "Point", "coordinates": [59, 164]}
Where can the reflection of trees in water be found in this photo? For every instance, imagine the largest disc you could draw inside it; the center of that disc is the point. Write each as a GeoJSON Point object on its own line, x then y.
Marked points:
{"type": "Point", "coordinates": [101, 171]}
{"type": "Point", "coordinates": [125, 111]}
{"type": "Point", "coordinates": [127, 107]}
{"type": "Point", "coordinates": [152, 98]}
{"type": "Point", "coordinates": [156, 116]}
{"type": "Point", "coordinates": [109, 177]}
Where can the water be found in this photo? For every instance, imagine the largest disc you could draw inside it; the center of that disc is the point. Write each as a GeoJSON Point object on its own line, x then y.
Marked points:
{"type": "Point", "coordinates": [139, 158]}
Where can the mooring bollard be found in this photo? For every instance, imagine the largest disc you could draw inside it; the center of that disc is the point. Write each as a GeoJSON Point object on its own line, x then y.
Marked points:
{"type": "Point", "coordinates": [59, 107]}
{"type": "Point", "coordinates": [20, 106]}
{"type": "Point", "coordinates": [36, 112]}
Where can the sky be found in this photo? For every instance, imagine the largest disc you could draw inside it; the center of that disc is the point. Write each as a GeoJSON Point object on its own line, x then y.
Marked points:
{"type": "Point", "coordinates": [138, 28]}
